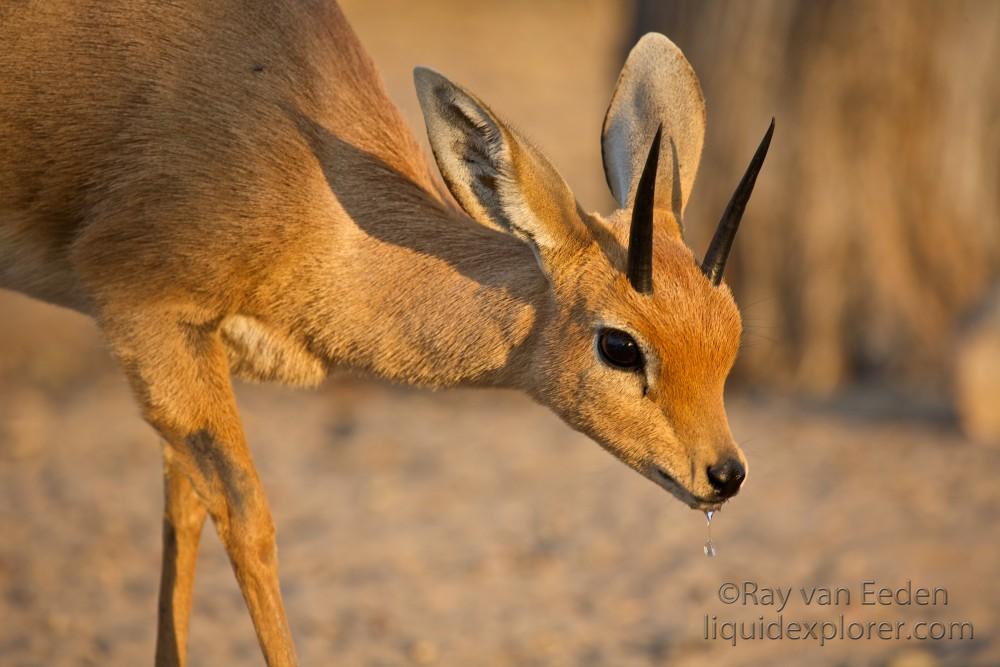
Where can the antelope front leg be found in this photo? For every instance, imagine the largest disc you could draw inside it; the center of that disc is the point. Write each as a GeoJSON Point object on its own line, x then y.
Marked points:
{"type": "Point", "coordinates": [180, 375]}
{"type": "Point", "coordinates": [223, 474]}
{"type": "Point", "coordinates": [183, 518]}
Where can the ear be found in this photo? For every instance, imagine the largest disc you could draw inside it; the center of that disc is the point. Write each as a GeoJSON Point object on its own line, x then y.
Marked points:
{"type": "Point", "coordinates": [498, 178]}
{"type": "Point", "coordinates": [656, 87]}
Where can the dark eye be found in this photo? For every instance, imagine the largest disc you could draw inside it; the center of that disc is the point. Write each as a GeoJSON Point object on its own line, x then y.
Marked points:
{"type": "Point", "coordinates": [618, 349]}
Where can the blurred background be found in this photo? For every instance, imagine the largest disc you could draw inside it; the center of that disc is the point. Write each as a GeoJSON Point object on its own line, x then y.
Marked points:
{"type": "Point", "coordinates": [473, 528]}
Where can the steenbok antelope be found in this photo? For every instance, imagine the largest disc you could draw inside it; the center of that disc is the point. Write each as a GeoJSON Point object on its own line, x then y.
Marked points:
{"type": "Point", "coordinates": [226, 188]}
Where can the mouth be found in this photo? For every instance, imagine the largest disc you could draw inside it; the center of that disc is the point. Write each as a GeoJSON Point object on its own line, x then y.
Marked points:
{"type": "Point", "coordinates": [678, 491]}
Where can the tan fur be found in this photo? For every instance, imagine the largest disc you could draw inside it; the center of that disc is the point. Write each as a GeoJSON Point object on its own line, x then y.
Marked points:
{"type": "Point", "coordinates": [226, 188]}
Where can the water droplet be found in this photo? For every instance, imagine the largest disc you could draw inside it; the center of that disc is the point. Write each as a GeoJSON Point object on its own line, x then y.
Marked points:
{"type": "Point", "coordinates": [709, 547]}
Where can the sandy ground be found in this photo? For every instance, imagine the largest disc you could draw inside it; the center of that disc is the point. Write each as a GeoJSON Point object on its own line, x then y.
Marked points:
{"type": "Point", "coordinates": [474, 528]}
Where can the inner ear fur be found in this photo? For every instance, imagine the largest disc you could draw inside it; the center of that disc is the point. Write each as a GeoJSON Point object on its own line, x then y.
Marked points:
{"type": "Point", "coordinates": [498, 178]}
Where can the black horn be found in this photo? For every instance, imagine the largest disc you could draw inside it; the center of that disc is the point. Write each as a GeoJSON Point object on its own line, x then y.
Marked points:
{"type": "Point", "coordinates": [718, 249]}
{"type": "Point", "coordinates": [640, 236]}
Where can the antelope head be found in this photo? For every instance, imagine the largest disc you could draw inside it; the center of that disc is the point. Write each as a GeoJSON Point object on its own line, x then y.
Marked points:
{"type": "Point", "coordinates": [638, 337]}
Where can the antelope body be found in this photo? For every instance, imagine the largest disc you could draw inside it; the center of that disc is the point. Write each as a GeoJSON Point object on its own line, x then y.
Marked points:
{"type": "Point", "coordinates": [226, 188]}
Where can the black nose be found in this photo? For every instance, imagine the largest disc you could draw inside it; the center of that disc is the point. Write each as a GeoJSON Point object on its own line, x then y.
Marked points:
{"type": "Point", "coordinates": [726, 476]}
